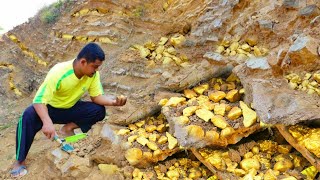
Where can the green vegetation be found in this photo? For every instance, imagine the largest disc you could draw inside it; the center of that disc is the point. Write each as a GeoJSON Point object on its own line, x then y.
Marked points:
{"type": "Point", "coordinates": [139, 11]}
{"type": "Point", "coordinates": [50, 14]}
{"type": "Point", "coordinates": [1, 28]}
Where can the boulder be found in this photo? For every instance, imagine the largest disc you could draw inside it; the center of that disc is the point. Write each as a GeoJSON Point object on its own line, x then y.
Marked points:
{"type": "Point", "coordinates": [290, 3]}
{"type": "Point", "coordinates": [258, 63]}
{"type": "Point", "coordinates": [303, 51]}
{"type": "Point", "coordinates": [311, 10]}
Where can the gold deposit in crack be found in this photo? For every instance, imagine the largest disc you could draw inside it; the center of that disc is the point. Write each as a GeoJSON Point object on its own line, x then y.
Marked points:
{"type": "Point", "coordinates": [182, 168]}
{"type": "Point", "coordinates": [150, 138]}
{"type": "Point", "coordinates": [92, 11]}
{"type": "Point", "coordinates": [307, 137]}
{"type": "Point", "coordinates": [26, 50]}
{"type": "Point", "coordinates": [10, 79]}
{"type": "Point", "coordinates": [249, 115]}
{"type": "Point", "coordinates": [200, 106]}
{"type": "Point", "coordinates": [243, 51]}
{"type": "Point", "coordinates": [257, 165]}
{"type": "Point", "coordinates": [162, 52]}
{"type": "Point", "coordinates": [310, 83]}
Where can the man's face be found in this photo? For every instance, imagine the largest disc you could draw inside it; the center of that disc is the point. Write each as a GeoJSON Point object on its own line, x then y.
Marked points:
{"type": "Point", "coordinates": [90, 68]}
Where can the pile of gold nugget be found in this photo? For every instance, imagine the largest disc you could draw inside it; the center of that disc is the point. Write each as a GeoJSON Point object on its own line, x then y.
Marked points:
{"type": "Point", "coordinates": [212, 112]}
{"type": "Point", "coordinates": [243, 50]}
{"type": "Point", "coordinates": [163, 52]}
{"type": "Point", "coordinates": [149, 141]}
{"type": "Point", "coordinates": [309, 83]}
{"type": "Point", "coordinates": [182, 168]}
{"type": "Point", "coordinates": [307, 137]}
{"type": "Point", "coordinates": [262, 160]}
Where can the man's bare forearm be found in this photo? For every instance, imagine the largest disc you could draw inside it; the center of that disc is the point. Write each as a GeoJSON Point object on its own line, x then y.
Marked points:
{"type": "Point", "coordinates": [104, 100]}
{"type": "Point", "coordinates": [109, 100]}
{"type": "Point", "coordinates": [42, 112]}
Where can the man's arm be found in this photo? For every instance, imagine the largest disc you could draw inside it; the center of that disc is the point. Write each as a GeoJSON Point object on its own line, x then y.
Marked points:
{"type": "Point", "coordinates": [109, 100]}
{"type": "Point", "coordinates": [47, 127]}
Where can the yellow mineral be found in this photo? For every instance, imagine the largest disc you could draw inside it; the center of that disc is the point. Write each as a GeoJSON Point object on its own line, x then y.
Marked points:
{"type": "Point", "coordinates": [252, 40]}
{"type": "Point", "coordinates": [217, 87]}
{"type": "Point", "coordinates": [167, 60]}
{"type": "Point", "coordinates": [163, 40]}
{"type": "Point", "coordinates": [316, 77]}
{"type": "Point", "coordinates": [220, 49]}
{"type": "Point", "coordinates": [293, 85]}
{"type": "Point", "coordinates": [234, 46]}
{"type": "Point", "coordinates": [84, 12]}
{"type": "Point", "coordinates": [105, 40]}
{"type": "Point", "coordinates": [172, 51]}
{"type": "Point", "coordinates": [188, 93]}
{"type": "Point", "coordinates": [13, 38]}
{"type": "Point", "coordinates": [174, 101]}
{"type": "Point", "coordinates": [195, 131]}
{"type": "Point", "coordinates": [67, 36]}
{"type": "Point", "coordinates": [233, 95]}
{"type": "Point", "coordinates": [225, 43]}
{"type": "Point", "coordinates": [123, 131]}
{"type": "Point", "coordinates": [204, 114]}
{"type": "Point", "coordinates": [173, 142]}
{"type": "Point", "coordinates": [142, 140]}
{"type": "Point", "coordinates": [163, 102]}
{"type": "Point", "coordinates": [153, 137]}
{"type": "Point", "coordinates": [150, 128]}
{"type": "Point", "coordinates": [152, 145]}
{"type": "Point", "coordinates": [250, 116]}
{"type": "Point", "coordinates": [200, 89]}
{"type": "Point", "coordinates": [140, 123]}
{"type": "Point", "coordinates": [226, 131]}
{"type": "Point", "coordinates": [219, 121]}
{"type": "Point", "coordinates": [132, 138]}
{"type": "Point", "coordinates": [182, 120]}
{"type": "Point", "coordinates": [163, 140]}
{"type": "Point", "coordinates": [257, 51]}
{"type": "Point", "coordinates": [161, 128]}
{"type": "Point", "coordinates": [173, 174]}
{"type": "Point", "coordinates": [271, 175]}
{"type": "Point", "coordinates": [283, 165]}
{"type": "Point", "coordinates": [207, 105]}
{"type": "Point", "coordinates": [177, 40]}
{"type": "Point", "coordinates": [217, 96]}
{"type": "Point", "coordinates": [157, 152]}
{"type": "Point", "coordinates": [220, 109]}
{"type": "Point", "coordinates": [189, 111]}
{"type": "Point", "coordinates": [133, 155]}
{"type": "Point", "coordinates": [108, 168]}
{"type": "Point", "coordinates": [234, 113]}
{"type": "Point", "coordinates": [150, 45]}
{"type": "Point", "coordinates": [250, 163]}
{"type": "Point", "coordinates": [132, 127]}
{"type": "Point", "coordinates": [310, 172]}
{"type": "Point", "coordinates": [144, 52]}
{"type": "Point", "coordinates": [284, 149]}
{"type": "Point", "coordinates": [246, 47]}
{"type": "Point", "coordinates": [212, 136]}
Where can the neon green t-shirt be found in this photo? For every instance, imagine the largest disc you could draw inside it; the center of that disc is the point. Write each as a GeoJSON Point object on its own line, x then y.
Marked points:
{"type": "Point", "coordinates": [62, 89]}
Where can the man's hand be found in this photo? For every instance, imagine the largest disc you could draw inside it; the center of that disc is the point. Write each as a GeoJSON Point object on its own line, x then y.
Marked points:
{"type": "Point", "coordinates": [48, 130]}
{"type": "Point", "coordinates": [120, 101]}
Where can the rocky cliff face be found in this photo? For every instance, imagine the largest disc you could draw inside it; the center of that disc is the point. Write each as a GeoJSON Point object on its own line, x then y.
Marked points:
{"type": "Point", "coordinates": [261, 41]}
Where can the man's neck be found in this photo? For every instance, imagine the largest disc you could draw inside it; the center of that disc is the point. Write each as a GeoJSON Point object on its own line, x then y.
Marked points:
{"type": "Point", "coordinates": [76, 69]}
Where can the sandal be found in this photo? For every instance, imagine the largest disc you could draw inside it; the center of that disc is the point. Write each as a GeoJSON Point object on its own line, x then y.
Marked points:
{"type": "Point", "coordinates": [19, 172]}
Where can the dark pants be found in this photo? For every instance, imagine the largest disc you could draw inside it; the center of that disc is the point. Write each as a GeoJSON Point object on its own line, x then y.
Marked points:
{"type": "Point", "coordinates": [84, 114]}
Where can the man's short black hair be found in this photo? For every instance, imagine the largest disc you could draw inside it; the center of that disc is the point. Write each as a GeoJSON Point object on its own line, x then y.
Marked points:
{"type": "Point", "coordinates": [91, 52]}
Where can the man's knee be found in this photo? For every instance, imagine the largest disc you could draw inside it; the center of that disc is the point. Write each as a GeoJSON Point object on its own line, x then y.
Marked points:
{"type": "Point", "coordinates": [101, 113]}
{"type": "Point", "coordinates": [30, 114]}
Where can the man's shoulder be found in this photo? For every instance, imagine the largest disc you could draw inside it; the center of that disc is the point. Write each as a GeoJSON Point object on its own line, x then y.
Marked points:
{"type": "Point", "coordinates": [62, 66]}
